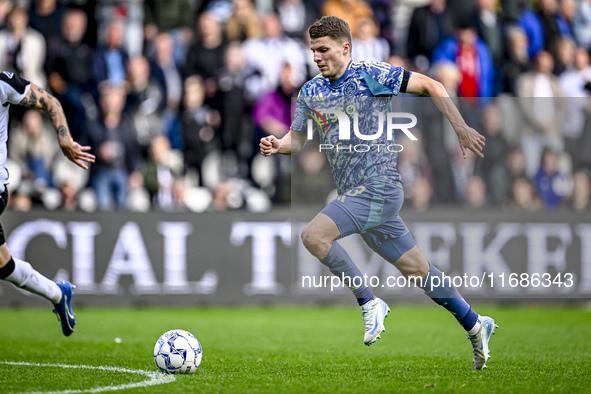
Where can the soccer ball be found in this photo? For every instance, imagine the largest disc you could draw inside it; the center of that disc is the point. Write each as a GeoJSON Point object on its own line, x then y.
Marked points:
{"type": "Point", "coordinates": [177, 351]}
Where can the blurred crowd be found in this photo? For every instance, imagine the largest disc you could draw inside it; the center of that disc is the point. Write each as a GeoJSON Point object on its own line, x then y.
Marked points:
{"type": "Point", "coordinates": [174, 95]}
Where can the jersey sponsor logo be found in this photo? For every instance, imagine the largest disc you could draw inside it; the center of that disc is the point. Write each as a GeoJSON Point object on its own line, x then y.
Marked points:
{"type": "Point", "coordinates": [8, 74]}
{"type": "Point", "coordinates": [350, 88]}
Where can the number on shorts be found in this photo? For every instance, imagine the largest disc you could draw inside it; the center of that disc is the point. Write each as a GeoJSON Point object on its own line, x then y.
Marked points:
{"type": "Point", "coordinates": [351, 193]}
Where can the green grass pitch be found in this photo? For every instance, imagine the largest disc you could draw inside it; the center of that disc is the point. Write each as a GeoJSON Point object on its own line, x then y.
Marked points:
{"type": "Point", "coordinates": [299, 349]}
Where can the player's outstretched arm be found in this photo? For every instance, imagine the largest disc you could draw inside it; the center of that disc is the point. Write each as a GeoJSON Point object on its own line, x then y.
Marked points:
{"type": "Point", "coordinates": [292, 143]}
{"type": "Point", "coordinates": [41, 99]}
{"type": "Point", "coordinates": [469, 138]}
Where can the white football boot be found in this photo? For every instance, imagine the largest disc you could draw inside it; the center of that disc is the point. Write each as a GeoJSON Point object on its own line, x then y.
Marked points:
{"type": "Point", "coordinates": [374, 313]}
{"type": "Point", "coordinates": [480, 342]}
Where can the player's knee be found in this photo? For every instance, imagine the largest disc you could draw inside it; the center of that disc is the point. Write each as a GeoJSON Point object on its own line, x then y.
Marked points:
{"type": "Point", "coordinates": [308, 236]}
{"type": "Point", "coordinates": [313, 239]}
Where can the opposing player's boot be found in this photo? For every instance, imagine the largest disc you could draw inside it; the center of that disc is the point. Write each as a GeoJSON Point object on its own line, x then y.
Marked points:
{"type": "Point", "coordinates": [480, 342]}
{"type": "Point", "coordinates": [374, 313]}
{"type": "Point", "coordinates": [63, 309]}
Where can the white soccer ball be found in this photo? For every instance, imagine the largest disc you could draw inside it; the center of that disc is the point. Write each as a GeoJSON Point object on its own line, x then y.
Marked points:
{"type": "Point", "coordinates": [177, 351]}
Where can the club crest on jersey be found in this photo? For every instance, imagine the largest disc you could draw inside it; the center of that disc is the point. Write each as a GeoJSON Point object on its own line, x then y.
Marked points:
{"type": "Point", "coordinates": [350, 88]}
{"type": "Point", "coordinates": [8, 74]}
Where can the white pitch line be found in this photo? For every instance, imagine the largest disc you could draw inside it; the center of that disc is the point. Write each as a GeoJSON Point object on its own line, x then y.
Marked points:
{"type": "Point", "coordinates": [156, 378]}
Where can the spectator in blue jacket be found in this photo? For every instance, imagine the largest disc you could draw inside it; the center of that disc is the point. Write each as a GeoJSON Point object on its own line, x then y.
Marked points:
{"type": "Point", "coordinates": [549, 182]}
{"type": "Point", "coordinates": [109, 60]}
{"type": "Point", "coordinates": [544, 27]}
{"type": "Point", "coordinates": [472, 57]}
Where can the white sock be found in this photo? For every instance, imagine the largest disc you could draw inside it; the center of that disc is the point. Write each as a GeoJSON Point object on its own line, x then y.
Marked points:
{"type": "Point", "coordinates": [26, 277]}
{"type": "Point", "coordinates": [474, 330]}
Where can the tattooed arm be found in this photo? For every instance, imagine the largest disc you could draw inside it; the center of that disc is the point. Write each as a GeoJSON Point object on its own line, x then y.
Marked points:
{"type": "Point", "coordinates": [41, 99]}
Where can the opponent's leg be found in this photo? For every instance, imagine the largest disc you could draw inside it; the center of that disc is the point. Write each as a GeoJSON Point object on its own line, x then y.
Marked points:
{"type": "Point", "coordinates": [23, 275]}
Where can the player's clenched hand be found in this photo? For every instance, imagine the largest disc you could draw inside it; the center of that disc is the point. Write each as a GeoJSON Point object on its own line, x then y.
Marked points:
{"type": "Point", "coordinates": [269, 145]}
{"type": "Point", "coordinates": [470, 139]}
{"type": "Point", "coordinates": [76, 152]}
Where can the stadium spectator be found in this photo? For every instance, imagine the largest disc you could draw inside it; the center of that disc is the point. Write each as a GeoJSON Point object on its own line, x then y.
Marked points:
{"type": "Point", "coordinates": [491, 30]}
{"type": "Point", "coordinates": [284, 50]}
{"type": "Point", "coordinates": [311, 170]}
{"type": "Point", "coordinates": [239, 85]}
{"type": "Point", "coordinates": [71, 183]}
{"type": "Point", "coordinates": [582, 24]}
{"type": "Point", "coordinates": [581, 194]}
{"type": "Point", "coordinates": [368, 44]}
{"type": "Point", "coordinates": [567, 11]}
{"type": "Point", "coordinates": [565, 55]}
{"type": "Point", "coordinates": [109, 60]}
{"type": "Point", "coordinates": [206, 54]}
{"type": "Point", "coordinates": [272, 115]}
{"type": "Point", "coordinates": [429, 26]}
{"type": "Point", "coordinates": [422, 194]}
{"type": "Point", "coordinates": [435, 139]}
{"type": "Point", "coordinates": [523, 196]}
{"type": "Point", "coordinates": [5, 8]}
{"type": "Point", "coordinates": [473, 58]}
{"type": "Point", "coordinates": [462, 170]}
{"type": "Point", "coordinates": [462, 9]}
{"type": "Point", "coordinates": [516, 61]}
{"type": "Point", "coordinates": [576, 85]}
{"type": "Point", "coordinates": [448, 74]}
{"type": "Point", "coordinates": [69, 67]}
{"type": "Point", "coordinates": [351, 11]}
{"type": "Point", "coordinates": [162, 174]}
{"type": "Point", "coordinates": [33, 147]}
{"type": "Point", "coordinates": [492, 167]}
{"type": "Point", "coordinates": [412, 164]}
{"type": "Point", "coordinates": [295, 16]}
{"type": "Point", "coordinates": [46, 17]}
{"type": "Point", "coordinates": [245, 23]}
{"type": "Point", "coordinates": [543, 107]}
{"type": "Point", "coordinates": [549, 182]}
{"type": "Point", "coordinates": [146, 100]}
{"type": "Point", "coordinates": [114, 143]}
{"type": "Point", "coordinates": [475, 194]}
{"type": "Point", "coordinates": [272, 112]}
{"type": "Point", "coordinates": [543, 27]}
{"type": "Point", "coordinates": [22, 48]}
{"type": "Point", "coordinates": [176, 17]}
{"type": "Point", "coordinates": [20, 199]}
{"type": "Point", "coordinates": [512, 9]}
{"type": "Point", "coordinates": [131, 16]}
{"type": "Point", "coordinates": [222, 193]}
{"type": "Point", "coordinates": [516, 164]}
{"type": "Point", "coordinates": [382, 10]}
{"type": "Point", "coordinates": [165, 70]}
{"type": "Point", "coordinates": [200, 126]}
